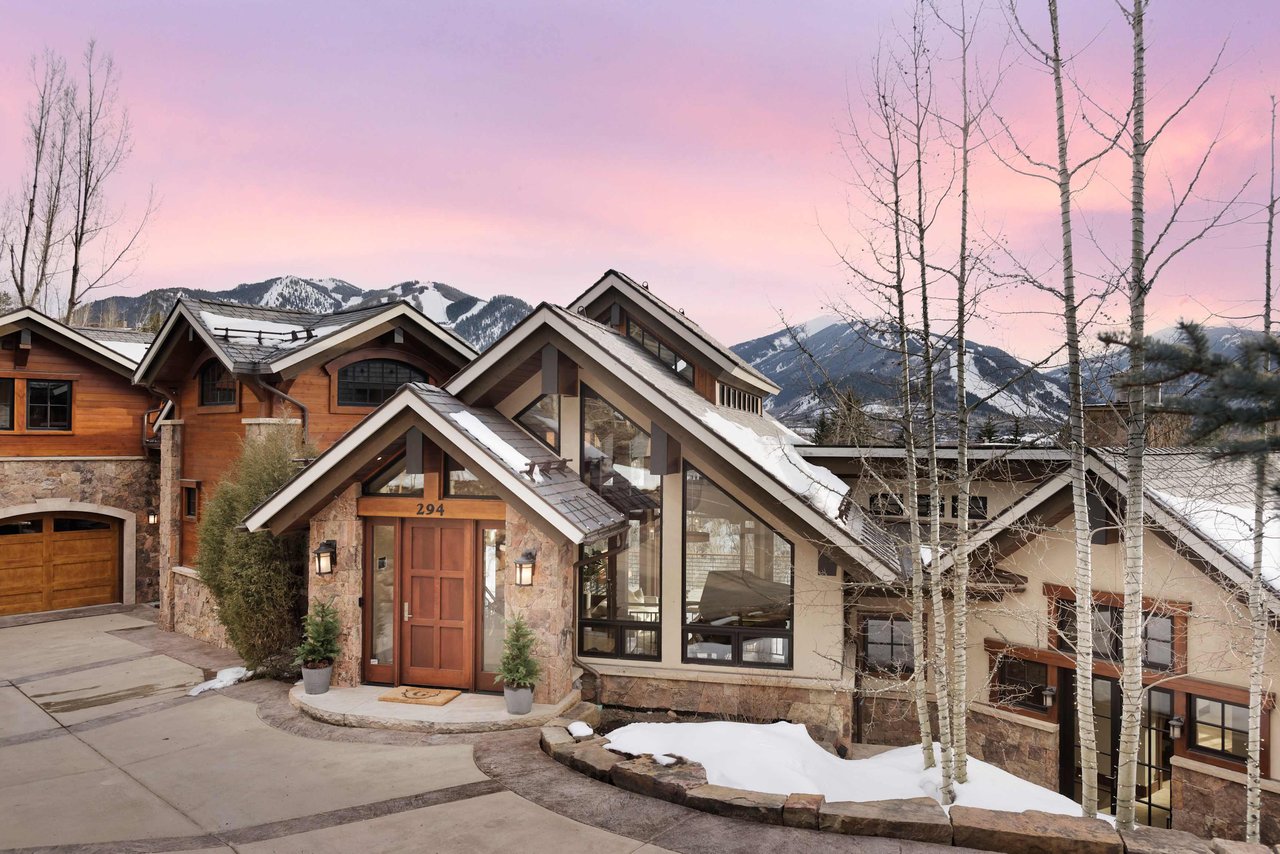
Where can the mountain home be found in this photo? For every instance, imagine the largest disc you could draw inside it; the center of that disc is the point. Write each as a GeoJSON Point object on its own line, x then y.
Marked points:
{"type": "Point", "coordinates": [1196, 637]}
{"type": "Point", "coordinates": [77, 467]}
{"type": "Point", "coordinates": [229, 370]}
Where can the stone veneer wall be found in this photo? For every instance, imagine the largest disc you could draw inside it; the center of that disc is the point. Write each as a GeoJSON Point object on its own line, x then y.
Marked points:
{"type": "Point", "coordinates": [195, 614]}
{"type": "Point", "coordinates": [170, 527]}
{"type": "Point", "coordinates": [889, 719]}
{"type": "Point", "coordinates": [547, 605]}
{"type": "Point", "coordinates": [122, 484]}
{"type": "Point", "coordinates": [338, 521]}
{"type": "Point", "coordinates": [1022, 749]}
{"type": "Point", "coordinates": [826, 713]}
{"type": "Point", "coordinates": [1212, 804]}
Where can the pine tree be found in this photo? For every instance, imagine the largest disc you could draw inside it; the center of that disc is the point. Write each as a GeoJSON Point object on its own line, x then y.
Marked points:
{"type": "Point", "coordinates": [518, 669]}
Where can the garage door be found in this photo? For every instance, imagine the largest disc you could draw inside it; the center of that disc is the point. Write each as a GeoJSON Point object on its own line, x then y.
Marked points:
{"type": "Point", "coordinates": [58, 561]}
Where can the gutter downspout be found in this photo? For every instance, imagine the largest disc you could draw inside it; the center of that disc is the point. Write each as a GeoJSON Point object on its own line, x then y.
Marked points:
{"type": "Point", "coordinates": [302, 408]}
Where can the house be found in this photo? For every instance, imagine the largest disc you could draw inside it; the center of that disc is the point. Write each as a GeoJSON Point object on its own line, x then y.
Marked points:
{"type": "Point", "coordinates": [606, 470]}
{"type": "Point", "coordinates": [78, 467]}
{"type": "Point", "coordinates": [1196, 640]}
{"type": "Point", "coordinates": [229, 371]}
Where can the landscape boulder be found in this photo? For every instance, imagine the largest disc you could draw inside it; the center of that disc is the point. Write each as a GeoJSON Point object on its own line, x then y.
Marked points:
{"type": "Point", "coordinates": [1152, 840]}
{"type": "Point", "coordinates": [916, 819]}
{"type": "Point", "coordinates": [669, 782]}
{"type": "Point", "coordinates": [556, 742]}
{"type": "Point", "coordinates": [737, 803]}
{"type": "Point", "coordinates": [1032, 832]}
{"type": "Point", "coordinates": [1233, 846]}
{"type": "Point", "coordinates": [802, 810]}
{"type": "Point", "coordinates": [594, 759]}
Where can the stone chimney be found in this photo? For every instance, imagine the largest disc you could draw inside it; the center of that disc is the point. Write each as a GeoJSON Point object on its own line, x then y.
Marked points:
{"type": "Point", "coordinates": [1104, 425]}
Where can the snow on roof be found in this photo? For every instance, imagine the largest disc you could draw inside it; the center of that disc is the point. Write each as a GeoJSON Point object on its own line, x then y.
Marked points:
{"type": "Point", "coordinates": [491, 440]}
{"type": "Point", "coordinates": [1231, 527]}
{"type": "Point", "coordinates": [130, 343]}
{"type": "Point", "coordinates": [274, 334]}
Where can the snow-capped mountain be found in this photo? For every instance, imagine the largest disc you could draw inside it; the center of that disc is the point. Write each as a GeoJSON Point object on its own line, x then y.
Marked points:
{"type": "Point", "coordinates": [862, 359]}
{"type": "Point", "coordinates": [480, 321]}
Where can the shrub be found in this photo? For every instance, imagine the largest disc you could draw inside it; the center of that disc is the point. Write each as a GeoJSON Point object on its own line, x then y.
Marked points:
{"type": "Point", "coordinates": [518, 668]}
{"type": "Point", "coordinates": [258, 580]}
{"type": "Point", "coordinates": [320, 630]}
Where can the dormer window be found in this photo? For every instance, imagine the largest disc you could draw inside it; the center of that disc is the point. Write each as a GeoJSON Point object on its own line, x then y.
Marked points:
{"type": "Point", "coordinates": [676, 363]}
{"type": "Point", "coordinates": [373, 381]}
{"type": "Point", "coordinates": [217, 385]}
{"type": "Point", "coordinates": [736, 398]}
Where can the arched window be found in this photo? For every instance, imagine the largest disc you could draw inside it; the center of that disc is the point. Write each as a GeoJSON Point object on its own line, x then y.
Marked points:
{"type": "Point", "coordinates": [217, 385]}
{"type": "Point", "coordinates": [372, 381]}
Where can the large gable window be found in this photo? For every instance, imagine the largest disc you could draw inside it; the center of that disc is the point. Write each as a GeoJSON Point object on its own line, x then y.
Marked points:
{"type": "Point", "coordinates": [48, 405]}
{"type": "Point", "coordinates": [373, 381]}
{"type": "Point", "coordinates": [620, 579]}
{"type": "Point", "coordinates": [737, 581]}
{"type": "Point", "coordinates": [217, 385]}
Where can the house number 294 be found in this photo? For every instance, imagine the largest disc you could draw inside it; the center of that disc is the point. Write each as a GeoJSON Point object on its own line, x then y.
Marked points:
{"type": "Point", "coordinates": [431, 509]}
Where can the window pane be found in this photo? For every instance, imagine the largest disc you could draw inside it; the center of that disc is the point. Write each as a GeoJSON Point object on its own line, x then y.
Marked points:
{"type": "Point", "coordinates": [382, 606]}
{"type": "Point", "coordinates": [26, 526]}
{"type": "Point", "coordinates": [708, 647]}
{"type": "Point", "coordinates": [6, 403]}
{"type": "Point", "coordinates": [737, 569]}
{"type": "Point", "coordinates": [460, 482]}
{"type": "Point", "coordinates": [615, 456]}
{"type": "Point", "coordinates": [640, 642]}
{"type": "Point", "coordinates": [217, 385]}
{"type": "Point", "coordinates": [48, 405]}
{"type": "Point", "coordinates": [371, 382]}
{"type": "Point", "coordinates": [1208, 712]}
{"type": "Point", "coordinates": [68, 525]}
{"type": "Point", "coordinates": [494, 545]}
{"type": "Point", "coordinates": [772, 651]}
{"type": "Point", "coordinates": [597, 640]}
{"type": "Point", "coordinates": [394, 480]}
{"type": "Point", "coordinates": [542, 419]}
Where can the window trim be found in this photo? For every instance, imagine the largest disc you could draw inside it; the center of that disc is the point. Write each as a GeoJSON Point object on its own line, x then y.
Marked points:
{"type": "Point", "coordinates": [333, 366]}
{"type": "Point", "coordinates": [26, 406]}
{"type": "Point", "coordinates": [1061, 597]}
{"type": "Point", "coordinates": [223, 406]}
{"type": "Point", "coordinates": [1026, 705]}
{"type": "Point", "coordinates": [737, 633]}
{"type": "Point", "coordinates": [628, 322]}
{"type": "Point", "coordinates": [190, 488]}
{"type": "Point", "coordinates": [13, 405]}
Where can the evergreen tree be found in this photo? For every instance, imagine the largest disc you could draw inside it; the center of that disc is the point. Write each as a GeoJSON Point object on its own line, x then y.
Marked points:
{"type": "Point", "coordinates": [518, 668]}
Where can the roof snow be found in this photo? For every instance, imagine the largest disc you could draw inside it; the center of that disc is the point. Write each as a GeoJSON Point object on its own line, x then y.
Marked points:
{"type": "Point", "coordinates": [491, 440]}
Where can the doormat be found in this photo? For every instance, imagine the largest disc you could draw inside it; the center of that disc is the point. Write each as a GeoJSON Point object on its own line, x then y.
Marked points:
{"type": "Point", "coordinates": [419, 696]}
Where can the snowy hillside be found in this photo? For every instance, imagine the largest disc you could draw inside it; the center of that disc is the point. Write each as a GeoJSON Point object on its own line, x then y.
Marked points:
{"type": "Point", "coordinates": [862, 359]}
{"type": "Point", "coordinates": [480, 321]}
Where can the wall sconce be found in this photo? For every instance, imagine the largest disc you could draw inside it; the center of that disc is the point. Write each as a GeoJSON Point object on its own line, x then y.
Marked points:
{"type": "Point", "coordinates": [524, 568]}
{"type": "Point", "coordinates": [1175, 727]}
{"type": "Point", "coordinates": [325, 553]}
{"type": "Point", "coordinates": [152, 516]}
{"type": "Point", "coordinates": [1047, 696]}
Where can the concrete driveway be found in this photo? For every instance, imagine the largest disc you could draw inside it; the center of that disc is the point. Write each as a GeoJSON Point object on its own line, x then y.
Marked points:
{"type": "Point", "coordinates": [102, 750]}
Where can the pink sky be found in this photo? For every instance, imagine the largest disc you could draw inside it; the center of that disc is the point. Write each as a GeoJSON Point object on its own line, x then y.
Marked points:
{"type": "Point", "coordinates": [525, 148]}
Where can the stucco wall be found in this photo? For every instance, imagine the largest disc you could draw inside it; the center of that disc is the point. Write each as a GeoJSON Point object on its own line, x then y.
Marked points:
{"type": "Point", "coordinates": [120, 486]}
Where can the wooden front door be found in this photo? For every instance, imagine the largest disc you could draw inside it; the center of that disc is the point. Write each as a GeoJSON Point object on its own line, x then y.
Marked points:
{"type": "Point", "coordinates": [437, 589]}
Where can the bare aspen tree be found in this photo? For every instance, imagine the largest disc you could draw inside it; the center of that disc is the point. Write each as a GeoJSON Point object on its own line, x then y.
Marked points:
{"type": "Point", "coordinates": [1258, 616]}
{"type": "Point", "coordinates": [102, 141]}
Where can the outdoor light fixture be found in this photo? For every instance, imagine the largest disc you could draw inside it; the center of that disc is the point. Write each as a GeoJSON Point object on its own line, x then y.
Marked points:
{"type": "Point", "coordinates": [1047, 695]}
{"type": "Point", "coordinates": [325, 553]}
{"type": "Point", "coordinates": [524, 568]}
{"type": "Point", "coordinates": [1175, 727]}
{"type": "Point", "coordinates": [152, 516]}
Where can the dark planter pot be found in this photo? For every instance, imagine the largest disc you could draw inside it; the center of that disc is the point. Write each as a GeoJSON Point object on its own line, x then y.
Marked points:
{"type": "Point", "coordinates": [315, 680]}
{"type": "Point", "coordinates": [519, 700]}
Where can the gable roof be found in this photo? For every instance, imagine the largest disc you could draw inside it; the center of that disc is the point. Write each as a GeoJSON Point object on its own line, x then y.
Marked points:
{"type": "Point", "coordinates": [678, 327]}
{"type": "Point", "coordinates": [251, 339]}
{"type": "Point", "coordinates": [758, 446]}
{"type": "Point", "coordinates": [105, 346]}
{"type": "Point", "coordinates": [525, 472]}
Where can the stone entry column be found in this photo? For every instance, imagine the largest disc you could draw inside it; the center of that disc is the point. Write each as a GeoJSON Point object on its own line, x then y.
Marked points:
{"type": "Point", "coordinates": [547, 606]}
{"type": "Point", "coordinates": [170, 523]}
{"type": "Point", "coordinates": [338, 521]}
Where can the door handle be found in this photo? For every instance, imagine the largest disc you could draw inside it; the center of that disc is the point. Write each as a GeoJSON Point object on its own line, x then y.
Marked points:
{"type": "Point", "coordinates": [407, 615]}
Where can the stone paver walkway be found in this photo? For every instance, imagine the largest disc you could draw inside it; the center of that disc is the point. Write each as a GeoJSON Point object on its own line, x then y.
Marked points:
{"type": "Point", "coordinates": [103, 751]}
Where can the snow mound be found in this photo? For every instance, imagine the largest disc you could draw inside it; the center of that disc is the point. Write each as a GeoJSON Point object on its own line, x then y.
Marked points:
{"type": "Point", "coordinates": [580, 729]}
{"type": "Point", "coordinates": [226, 677]}
{"type": "Point", "coordinates": [782, 759]}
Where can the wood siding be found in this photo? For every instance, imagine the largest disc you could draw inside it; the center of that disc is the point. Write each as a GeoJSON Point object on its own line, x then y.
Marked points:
{"type": "Point", "coordinates": [106, 408]}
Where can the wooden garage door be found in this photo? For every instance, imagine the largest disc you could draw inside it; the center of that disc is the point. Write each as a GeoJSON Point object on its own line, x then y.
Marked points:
{"type": "Point", "coordinates": [55, 561]}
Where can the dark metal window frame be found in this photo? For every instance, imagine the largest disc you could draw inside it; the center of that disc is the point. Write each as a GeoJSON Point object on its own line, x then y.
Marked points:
{"type": "Point", "coordinates": [50, 424]}
{"type": "Point", "coordinates": [1030, 693]}
{"type": "Point", "coordinates": [190, 502]}
{"type": "Point", "coordinates": [1066, 611]}
{"type": "Point", "coordinates": [8, 400]}
{"type": "Point", "coordinates": [218, 386]}
{"type": "Point", "coordinates": [1195, 723]}
{"type": "Point", "coordinates": [636, 332]}
{"type": "Point", "coordinates": [737, 634]}
{"type": "Point", "coordinates": [864, 642]}
{"type": "Point", "coordinates": [350, 388]}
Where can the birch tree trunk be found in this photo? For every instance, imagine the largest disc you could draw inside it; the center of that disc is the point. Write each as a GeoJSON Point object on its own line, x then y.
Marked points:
{"type": "Point", "coordinates": [1131, 634]}
{"type": "Point", "coordinates": [1257, 593]}
{"type": "Point", "coordinates": [1082, 536]}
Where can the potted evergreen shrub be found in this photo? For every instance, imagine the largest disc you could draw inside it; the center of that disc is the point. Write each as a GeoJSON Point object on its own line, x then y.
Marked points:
{"type": "Point", "coordinates": [319, 647]}
{"type": "Point", "coordinates": [518, 670]}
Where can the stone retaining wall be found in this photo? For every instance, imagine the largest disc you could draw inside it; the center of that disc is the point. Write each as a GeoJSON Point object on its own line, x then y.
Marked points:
{"type": "Point", "coordinates": [1022, 749]}
{"type": "Point", "coordinates": [195, 614]}
{"type": "Point", "coordinates": [826, 713]}
{"type": "Point", "coordinates": [1212, 804]}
